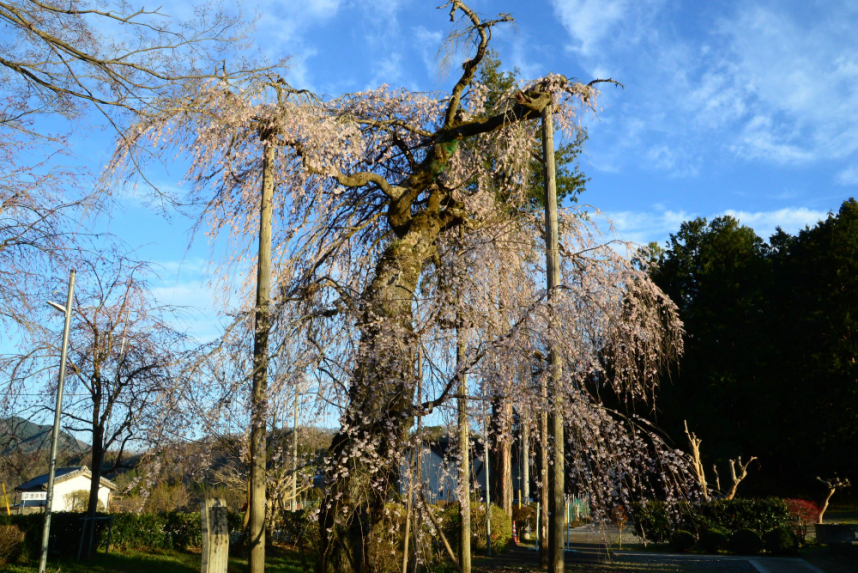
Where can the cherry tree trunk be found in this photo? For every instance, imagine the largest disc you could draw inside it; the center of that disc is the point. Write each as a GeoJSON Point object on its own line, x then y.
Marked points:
{"type": "Point", "coordinates": [96, 463]}
{"type": "Point", "coordinates": [365, 451]}
{"type": "Point", "coordinates": [503, 464]}
{"type": "Point", "coordinates": [258, 406]}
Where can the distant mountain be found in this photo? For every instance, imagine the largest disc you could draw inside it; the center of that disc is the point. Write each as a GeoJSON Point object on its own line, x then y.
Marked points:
{"type": "Point", "coordinates": [19, 434]}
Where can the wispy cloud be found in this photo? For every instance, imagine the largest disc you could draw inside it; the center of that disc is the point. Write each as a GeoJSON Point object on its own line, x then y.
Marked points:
{"type": "Point", "coordinates": [591, 22]}
{"type": "Point", "coordinates": [643, 227]}
{"type": "Point", "coordinates": [791, 219]}
{"type": "Point", "coordinates": [428, 42]}
{"type": "Point", "coordinates": [847, 176]}
{"type": "Point", "coordinates": [756, 81]}
{"type": "Point", "coordinates": [184, 284]}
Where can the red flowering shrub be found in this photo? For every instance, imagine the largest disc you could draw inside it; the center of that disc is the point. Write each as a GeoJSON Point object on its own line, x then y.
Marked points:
{"type": "Point", "coordinates": [802, 514]}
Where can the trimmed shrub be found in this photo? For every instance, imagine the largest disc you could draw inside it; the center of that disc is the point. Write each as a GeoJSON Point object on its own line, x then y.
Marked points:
{"type": "Point", "coordinates": [651, 520]}
{"type": "Point", "coordinates": [735, 514]}
{"type": "Point", "coordinates": [65, 533]}
{"type": "Point", "coordinates": [130, 531]}
{"type": "Point", "coordinates": [139, 531]}
{"type": "Point", "coordinates": [524, 516]}
{"type": "Point", "coordinates": [781, 541]}
{"type": "Point", "coordinates": [184, 530]}
{"type": "Point", "coordinates": [745, 542]}
{"type": "Point", "coordinates": [501, 528]}
{"type": "Point", "coordinates": [682, 541]}
{"type": "Point", "coordinates": [713, 540]}
{"type": "Point", "coordinates": [655, 519]}
{"type": "Point", "coordinates": [30, 527]}
{"type": "Point", "coordinates": [11, 540]}
{"type": "Point", "coordinates": [386, 543]}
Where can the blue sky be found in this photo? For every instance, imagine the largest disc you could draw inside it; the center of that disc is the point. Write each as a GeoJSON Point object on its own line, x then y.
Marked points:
{"type": "Point", "coordinates": [746, 108]}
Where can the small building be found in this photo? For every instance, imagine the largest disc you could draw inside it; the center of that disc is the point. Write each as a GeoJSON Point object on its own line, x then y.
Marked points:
{"type": "Point", "coordinates": [440, 475]}
{"type": "Point", "coordinates": [67, 482]}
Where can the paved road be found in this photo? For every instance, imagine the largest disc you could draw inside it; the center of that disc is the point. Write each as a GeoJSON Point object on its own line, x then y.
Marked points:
{"type": "Point", "coordinates": [587, 544]}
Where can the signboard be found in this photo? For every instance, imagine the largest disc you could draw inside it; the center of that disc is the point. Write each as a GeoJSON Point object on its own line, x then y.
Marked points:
{"type": "Point", "coordinates": [34, 495]}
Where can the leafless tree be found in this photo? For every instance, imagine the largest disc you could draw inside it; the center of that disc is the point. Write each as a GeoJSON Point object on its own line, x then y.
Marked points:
{"type": "Point", "coordinates": [124, 351]}
{"type": "Point", "coordinates": [67, 57]}
{"type": "Point", "coordinates": [832, 485]}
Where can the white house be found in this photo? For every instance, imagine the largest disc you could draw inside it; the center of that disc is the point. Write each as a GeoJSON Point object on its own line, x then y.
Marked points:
{"type": "Point", "coordinates": [66, 482]}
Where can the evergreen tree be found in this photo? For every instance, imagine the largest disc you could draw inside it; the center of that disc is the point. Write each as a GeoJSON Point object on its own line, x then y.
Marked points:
{"type": "Point", "coordinates": [770, 365]}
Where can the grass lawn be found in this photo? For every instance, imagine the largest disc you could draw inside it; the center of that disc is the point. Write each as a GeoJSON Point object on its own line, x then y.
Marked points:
{"type": "Point", "coordinates": [277, 561]}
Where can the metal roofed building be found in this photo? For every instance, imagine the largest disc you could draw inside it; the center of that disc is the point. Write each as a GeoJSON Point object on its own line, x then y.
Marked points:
{"type": "Point", "coordinates": [66, 481]}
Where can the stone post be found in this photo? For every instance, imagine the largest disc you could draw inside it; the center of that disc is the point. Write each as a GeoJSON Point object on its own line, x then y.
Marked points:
{"type": "Point", "coordinates": [213, 517]}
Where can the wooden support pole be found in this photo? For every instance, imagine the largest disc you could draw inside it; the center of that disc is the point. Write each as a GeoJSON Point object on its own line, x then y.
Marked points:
{"type": "Point", "coordinates": [557, 481]}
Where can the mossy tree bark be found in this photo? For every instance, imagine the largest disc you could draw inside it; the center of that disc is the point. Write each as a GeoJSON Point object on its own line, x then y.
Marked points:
{"type": "Point", "coordinates": [380, 406]}
{"type": "Point", "coordinates": [380, 402]}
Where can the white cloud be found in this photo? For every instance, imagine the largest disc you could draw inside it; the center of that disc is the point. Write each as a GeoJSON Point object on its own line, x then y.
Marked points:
{"type": "Point", "coordinates": [847, 176]}
{"type": "Point", "coordinates": [643, 227]}
{"type": "Point", "coordinates": [428, 40]}
{"type": "Point", "coordinates": [298, 75]}
{"type": "Point", "coordinates": [590, 22]}
{"type": "Point", "coordinates": [669, 159]}
{"type": "Point", "coordinates": [759, 81]}
{"type": "Point", "coordinates": [388, 70]}
{"type": "Point", "coordinates": [185, 284]}
{"type": "Point", "coordinates": [791, 219]}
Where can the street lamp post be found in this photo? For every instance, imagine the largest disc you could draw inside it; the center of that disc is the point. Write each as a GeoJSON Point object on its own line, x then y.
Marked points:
{"type": "Point", "coordinates": [46, 532]}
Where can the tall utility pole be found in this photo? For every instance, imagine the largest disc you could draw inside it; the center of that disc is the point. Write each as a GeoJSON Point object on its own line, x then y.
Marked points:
{"type": "Point", "coordinates": [542, 506]}
{"type": "Point", "coordinates": [557, 482]}
{"type": "Point", "coordinates": [258, 415]}
{"type": "Point", "coordinates": [464, 447]}
{"type": "Point", "coordinates": [525, 456]}
{"type": "Point", "coordinates": [295, 450]}
{"type": "Point", "coordinates": [52, 469]}
{"type": "Point", "coordinates": [488, 491]}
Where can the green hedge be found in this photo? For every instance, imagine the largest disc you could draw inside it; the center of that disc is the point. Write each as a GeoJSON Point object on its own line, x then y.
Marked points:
{"type": "Point", "coordinates": [760, 515]}
{"type": "Point", "coordinates": [65, 532]}
{"type": "Point", "coordinates": [130, 531]}
{"type": "Point", "coordinates": [656, 520]}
